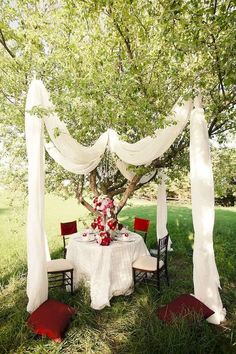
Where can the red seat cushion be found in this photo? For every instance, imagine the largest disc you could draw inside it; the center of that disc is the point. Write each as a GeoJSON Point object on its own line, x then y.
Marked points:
{"type": "Point", "coordinates": [51, 319]}
{"type": "Point", "coordinates": [182, 306]}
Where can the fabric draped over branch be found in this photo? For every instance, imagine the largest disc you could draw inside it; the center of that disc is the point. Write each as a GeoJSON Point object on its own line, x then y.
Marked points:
{"type": "Point", "coordinates": [148, 149]}
{"type": "Point", "coordinates": [80, 159]}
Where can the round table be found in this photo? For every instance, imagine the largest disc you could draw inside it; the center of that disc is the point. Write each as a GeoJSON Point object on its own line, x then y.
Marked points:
{"type": "Point", "coordinates": [108, 269]}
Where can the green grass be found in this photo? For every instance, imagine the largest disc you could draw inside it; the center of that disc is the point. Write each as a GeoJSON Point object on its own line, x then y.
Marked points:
{"type": "Point", "coordinates": [130, 325]}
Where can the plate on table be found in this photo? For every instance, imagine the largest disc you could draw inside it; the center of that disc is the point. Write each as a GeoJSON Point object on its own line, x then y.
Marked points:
{"type": "Point", "coordinates": [88, 238]}
{"type": "Point", "coordinates": [129, 238]}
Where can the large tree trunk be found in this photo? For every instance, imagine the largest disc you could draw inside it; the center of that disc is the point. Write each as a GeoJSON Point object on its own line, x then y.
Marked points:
{"type": "Point", "coordinates": [112, 190]}
{"type": "Point", "coordinates": [129, 191]}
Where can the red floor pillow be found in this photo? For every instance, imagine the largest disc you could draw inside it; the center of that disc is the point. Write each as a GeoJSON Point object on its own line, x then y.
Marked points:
{"type": "Point", "coordinates": [51, 319]}
{"type": "Point", "coordinates": [184, 305]}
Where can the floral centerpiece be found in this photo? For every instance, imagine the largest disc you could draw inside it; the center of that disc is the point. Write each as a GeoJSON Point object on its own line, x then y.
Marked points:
{"type": "Point", "coordinates": [106, 223]}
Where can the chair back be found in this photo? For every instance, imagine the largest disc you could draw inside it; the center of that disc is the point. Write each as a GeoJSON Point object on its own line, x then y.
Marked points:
{"type": "Point", "coordinates": [68, 228]}
{"type": "Point", "coordinates": [141, 225]}
{"type": "Point", "coordinates": [162, 249]}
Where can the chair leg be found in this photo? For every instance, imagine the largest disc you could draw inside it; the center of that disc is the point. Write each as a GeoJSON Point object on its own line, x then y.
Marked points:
{"type": "Point", "coordinates": [158, 282]}
{"type": "Point", "coordinates": [167, 277]}
{"type": "Point", "coordinates": [63, 279]}
{"type": "Point", "coordinates": [134, 277]}
{"type": "Point", "coordinates": [71, 277]}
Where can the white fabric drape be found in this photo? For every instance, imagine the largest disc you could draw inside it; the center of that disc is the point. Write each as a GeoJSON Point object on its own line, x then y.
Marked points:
{"type": "Point", "coordinates": [81, 159]}
{"type": "Point", "coordinates": [161, 216]}
{"type": "Point", "coordinates": [148, 149]}
{"type": "Point", "coordinates": [69, 165]}
{"type": "Point", "coordinates": [37, 282]}
{"type": "Point", "coordinates": [129, 175]}
{"type": "Point", "coordinates": [205, 274]}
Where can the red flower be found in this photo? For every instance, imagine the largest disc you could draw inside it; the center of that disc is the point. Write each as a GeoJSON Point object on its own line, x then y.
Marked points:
{"type": "Point", "coordinates": [112, 223]}
{"type": "Point", "coordinates": [106, 241]}
{"type": "Point", "coordinates": [99, 219]}
{"type": "Point", "coordinates": [100, 227]}
{"type": "Point", "coordinates": [94, 225]}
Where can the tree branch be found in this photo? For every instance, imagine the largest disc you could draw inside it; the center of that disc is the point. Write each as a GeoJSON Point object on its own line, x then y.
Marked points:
{"type": "Point", "coordinates": [116, 192]}
{"type": "Point", "coordinates": [92, 181]}
{"type": "Point", "coordinates": [3, 42]}
{"type": "Point", "coordinates": [129, 190]}
{"type": "Point", "coordinates": [116, 186]}
{"type": "Point", "coordinates": [88, 206]}
{"type": "Point", "coordinates": [211, 128]}
{"type": "Point", "coordinates": [12, 102]}
{"type": "Point", "coordinates": [79, 189]}
{"type": "Point", "coordinates": [126, 40]}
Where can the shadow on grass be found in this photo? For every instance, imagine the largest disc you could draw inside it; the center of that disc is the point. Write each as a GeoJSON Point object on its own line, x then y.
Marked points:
{"type": "Point", "coordinates": [131, 324]}
{"type": "Point", "coordinates": [16, 337]}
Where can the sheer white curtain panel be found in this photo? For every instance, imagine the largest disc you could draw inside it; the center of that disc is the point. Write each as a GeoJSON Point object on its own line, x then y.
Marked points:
{"type": "Point", "coordinates": [205, 273]}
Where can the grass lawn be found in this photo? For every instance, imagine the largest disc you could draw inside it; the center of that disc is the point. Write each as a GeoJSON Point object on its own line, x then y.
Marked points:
{"type": "Point", "coordinates": [130, 325]}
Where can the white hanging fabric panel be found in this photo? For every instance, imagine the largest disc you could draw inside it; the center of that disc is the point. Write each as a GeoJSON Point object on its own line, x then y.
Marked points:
{"type": "Point", "coordinates": [205, 274]}
{"type": "Point", "coordinates": [161, 222]}
{"type": "Point", "coordinates": [37, 281]}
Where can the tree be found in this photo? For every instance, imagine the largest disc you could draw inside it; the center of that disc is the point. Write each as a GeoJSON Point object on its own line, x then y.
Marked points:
{"type": "Point", "coordinates": [120, 65]}
{"type": "Point", "coordinates": [225, 176]}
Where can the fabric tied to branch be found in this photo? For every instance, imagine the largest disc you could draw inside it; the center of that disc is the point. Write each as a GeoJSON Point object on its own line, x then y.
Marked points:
{"type": "Point", "coordinates": [205, 274]}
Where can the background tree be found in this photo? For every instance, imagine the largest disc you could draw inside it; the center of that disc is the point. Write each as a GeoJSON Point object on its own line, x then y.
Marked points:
{"type": "Point", "coordinates": [119, 65]}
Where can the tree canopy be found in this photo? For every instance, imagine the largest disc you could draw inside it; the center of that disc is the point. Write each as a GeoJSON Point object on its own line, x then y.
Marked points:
{"type": "Point", "coordinates": [121, 65]}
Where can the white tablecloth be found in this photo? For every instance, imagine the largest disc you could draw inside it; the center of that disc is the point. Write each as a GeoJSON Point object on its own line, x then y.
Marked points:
{"type": "Point", "coordinates": [107, 268]}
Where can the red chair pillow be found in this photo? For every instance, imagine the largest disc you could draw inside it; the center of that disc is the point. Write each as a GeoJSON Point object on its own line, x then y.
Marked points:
{"type": "Point", "coordinates": [182, 306]}
{"type": "Point", "coordinates": [51, 319]}
{"type": "Point", "coordinates": [68, 228]}
{"type": "Point", "coordinates": [141, 224]}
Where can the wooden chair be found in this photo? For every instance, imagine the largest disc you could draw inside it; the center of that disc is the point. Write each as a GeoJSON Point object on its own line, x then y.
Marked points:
{"type": "Point", "coordinates": [141, 226]}
{"type": "Point", "coordinates": [146, 266]}
{"type": "Point", "coordinates": [67, 229]}
{"type": "Point", "coordinates": [60, 273]}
